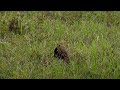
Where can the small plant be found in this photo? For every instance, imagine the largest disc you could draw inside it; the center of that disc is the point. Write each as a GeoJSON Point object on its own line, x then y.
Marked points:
{"type": "Point", "coordinates": [14, 26]}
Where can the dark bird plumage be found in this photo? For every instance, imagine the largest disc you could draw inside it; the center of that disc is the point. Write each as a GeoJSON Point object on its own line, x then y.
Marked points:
{"type": "Point", "coordinates": [61, 53]}
{"type": "Point", "coordinates": [14, 26]}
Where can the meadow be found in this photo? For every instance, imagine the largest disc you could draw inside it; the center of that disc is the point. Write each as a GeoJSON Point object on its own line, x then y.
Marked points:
{"type": "Point", "coordinates": [92, 39]}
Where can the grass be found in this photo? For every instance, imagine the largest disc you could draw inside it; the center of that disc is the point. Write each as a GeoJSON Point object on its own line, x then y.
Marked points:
{"type": "Point", "coordinates": [92, 37]}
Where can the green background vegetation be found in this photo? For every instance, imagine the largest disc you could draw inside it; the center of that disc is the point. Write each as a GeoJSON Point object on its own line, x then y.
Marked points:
{"type": "Point", "coordinates": [92, 39]}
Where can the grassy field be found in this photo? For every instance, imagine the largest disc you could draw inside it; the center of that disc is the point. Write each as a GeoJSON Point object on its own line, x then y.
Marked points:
{"type": "Point", "coordinates": [92, 39]}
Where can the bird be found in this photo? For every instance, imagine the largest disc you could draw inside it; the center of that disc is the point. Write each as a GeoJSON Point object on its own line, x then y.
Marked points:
{"type": "Point", "coordinates": [61, 53]}
{"type": "Point", "coordinates": [14, 26]}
